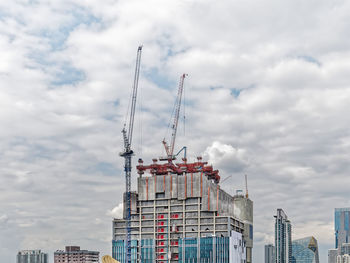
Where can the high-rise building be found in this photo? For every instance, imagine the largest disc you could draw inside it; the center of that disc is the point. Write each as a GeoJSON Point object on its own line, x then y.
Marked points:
{"type": "Point", "coordinates": [75, 255]}
{"type": "Point", "coordinates": [243, 209]}
{"type": "Point", "coordinates": [341, 226]}
{"type": "Point", "coordinates": [270, 253]}
{"type": "Point", "coordinates": [179, 213]}
{"type": "Point", "coordinates": [283, 237]}
{"type": "Point", "coordinates": [32, 256]}
{"type": "Point", "coordinates": [305, 250]}
{"type": "Point", "coordinates": [332, 255]}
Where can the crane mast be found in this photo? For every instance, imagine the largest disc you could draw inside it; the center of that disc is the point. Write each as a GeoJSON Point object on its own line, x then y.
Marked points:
{"type": "Point", "coordinates": [128, 153]}
{"type": "Point", "coordinates": [170, 149]}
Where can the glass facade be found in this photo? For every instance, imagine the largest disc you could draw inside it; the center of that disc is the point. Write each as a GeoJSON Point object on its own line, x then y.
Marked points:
{"type": "Point", "coordinates": [118, 251]}
{"type": "Point", "coordinates": [209, 248]}
{"type": "Point", "coordinates": [283, 238]}
{"type": "Point", "coordinates": [191, 250]}
{"type": "Point", "coordinates": [305, 250]}
{"type": "Point", "coordinates": [341, 226]}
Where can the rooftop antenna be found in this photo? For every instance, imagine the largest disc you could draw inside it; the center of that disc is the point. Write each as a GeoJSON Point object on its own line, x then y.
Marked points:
{"type": "Point", "coordinates": [246, 186]}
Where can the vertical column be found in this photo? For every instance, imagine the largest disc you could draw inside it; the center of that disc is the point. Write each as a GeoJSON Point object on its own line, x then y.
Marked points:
{"type": "Point", "coordinates": [183, 218]}
{"type": "Point", "coordinates": [140, 221]}
{"type": "Point", "coordinates": [214, 214]}
{"type": "Point", "coordinates": [169, 226]}
{"type": "Point", "coordinates": [154, 219]}
{"type": "Point", "coordinates": [199, 217]}
{"type": "Point", "coordinates": [214, 249]}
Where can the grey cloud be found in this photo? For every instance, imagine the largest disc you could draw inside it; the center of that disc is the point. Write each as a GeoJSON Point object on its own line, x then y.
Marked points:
{"type": "Point", "coordinates": [287, 129]}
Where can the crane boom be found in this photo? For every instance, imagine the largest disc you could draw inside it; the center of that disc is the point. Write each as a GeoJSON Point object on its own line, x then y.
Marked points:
{"type": "Point", "coordinates": [134, 93]}
{"type": "Point", "coordinates": [128, 153]}
{"type": "Point", "coordinates": [170, 149]}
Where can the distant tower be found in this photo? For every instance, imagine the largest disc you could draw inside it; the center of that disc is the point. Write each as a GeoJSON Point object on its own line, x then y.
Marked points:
{"type": "Point", "coordinates": [341, 226]}
{"type": "Point", "coordinates": [332, 255]}
{"type": "Point", "coordinates": [32, 256]}
{"type": "Point", "coordinates": [270, 253]}
{"type": "Point", "coordinates": [305, 250]}
{"type": "Point", "coordinates": [243, 209]}
{"type": "Point", "coordinates": [283, 237]}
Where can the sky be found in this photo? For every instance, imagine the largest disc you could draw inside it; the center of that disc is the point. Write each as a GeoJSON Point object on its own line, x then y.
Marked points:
{"type": "Point", "coordinates": [267, 95]}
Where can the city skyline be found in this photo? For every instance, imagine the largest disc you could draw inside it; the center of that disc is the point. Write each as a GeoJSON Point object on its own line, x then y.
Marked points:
{"type": "Point", "coordinates": [266, 95]}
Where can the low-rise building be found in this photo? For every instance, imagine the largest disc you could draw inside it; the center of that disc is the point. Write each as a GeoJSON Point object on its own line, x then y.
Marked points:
{"type": "Point", "coordinates": [73, 254]}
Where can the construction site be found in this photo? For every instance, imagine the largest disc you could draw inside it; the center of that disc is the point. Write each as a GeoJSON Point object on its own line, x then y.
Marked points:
{"type": "Point", "coordinates": [179, 213]}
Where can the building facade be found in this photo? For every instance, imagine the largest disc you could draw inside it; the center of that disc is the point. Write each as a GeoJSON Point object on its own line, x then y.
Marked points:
{"type": "Point", "coordinates": [345, 249]}
{"type": "Point", "coordinates": [305, 250]}
{"type": "Point", "coordinates": [341, 226]}
{"type": "Point", "coordinates": [270, 254]}
{"type": "Point", "coordinates": [32, 256]}
{"type": "Point", "coordinates": [332, 255]}
{"type": "Point", "coordinates": [73, 254]}
{"type": "Point", "coordinates": [182, 216]}
{"type": "Point", "coordinates": [243, 209]}
{"type": "Point", "coordinates": [283, 237]}
{"type": "Point", "coordinates": [343, 258]}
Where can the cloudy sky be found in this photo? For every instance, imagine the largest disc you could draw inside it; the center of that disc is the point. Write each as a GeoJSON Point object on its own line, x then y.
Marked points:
{"type": "Point", "coordinates": [267, 95]}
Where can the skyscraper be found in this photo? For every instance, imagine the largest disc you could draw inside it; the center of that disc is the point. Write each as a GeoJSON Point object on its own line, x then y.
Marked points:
{"type": "Point", "coordinates": [341, 226]}
{"type": "Point", "coordinates": [305, 250]}
{"type": "Point", "coordinates": [32, 256]}
{"type": "Point", "coordinates": [283, 237]}
{"type": "Point", "coordinates": [270, 253]}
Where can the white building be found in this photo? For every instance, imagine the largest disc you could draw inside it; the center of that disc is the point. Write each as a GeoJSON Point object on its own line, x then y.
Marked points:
{"type": "Point", "coordinates": [32, 256]}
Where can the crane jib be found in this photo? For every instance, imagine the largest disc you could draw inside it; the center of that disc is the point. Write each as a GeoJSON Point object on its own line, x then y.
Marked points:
{"type": "Point", "coordinates": [170, 149]}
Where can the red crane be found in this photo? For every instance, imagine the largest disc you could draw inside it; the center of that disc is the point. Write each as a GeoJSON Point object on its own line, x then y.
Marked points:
{"type": "Point", "coordinates": [177, 168]}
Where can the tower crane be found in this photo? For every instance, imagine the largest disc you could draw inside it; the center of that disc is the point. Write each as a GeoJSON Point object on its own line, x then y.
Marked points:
{"type": "Point", "coordinates": [170, 149]}
{"type": "Point", "coordinates": [128, 153]}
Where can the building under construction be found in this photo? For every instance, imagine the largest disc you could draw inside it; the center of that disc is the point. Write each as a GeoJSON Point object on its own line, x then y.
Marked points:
{"type": "Point", "coordinates": [179, 213]}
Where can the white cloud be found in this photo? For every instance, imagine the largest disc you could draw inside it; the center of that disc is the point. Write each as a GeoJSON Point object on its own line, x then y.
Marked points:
{"type": "Point", "coordinates": [267, 95]}
{"type": "Point", "coordinates": [226, 157]}
{"type": "Point", "coordinates": [3, 219]}
{"type": "Point", "coordinates": [116, 212]}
